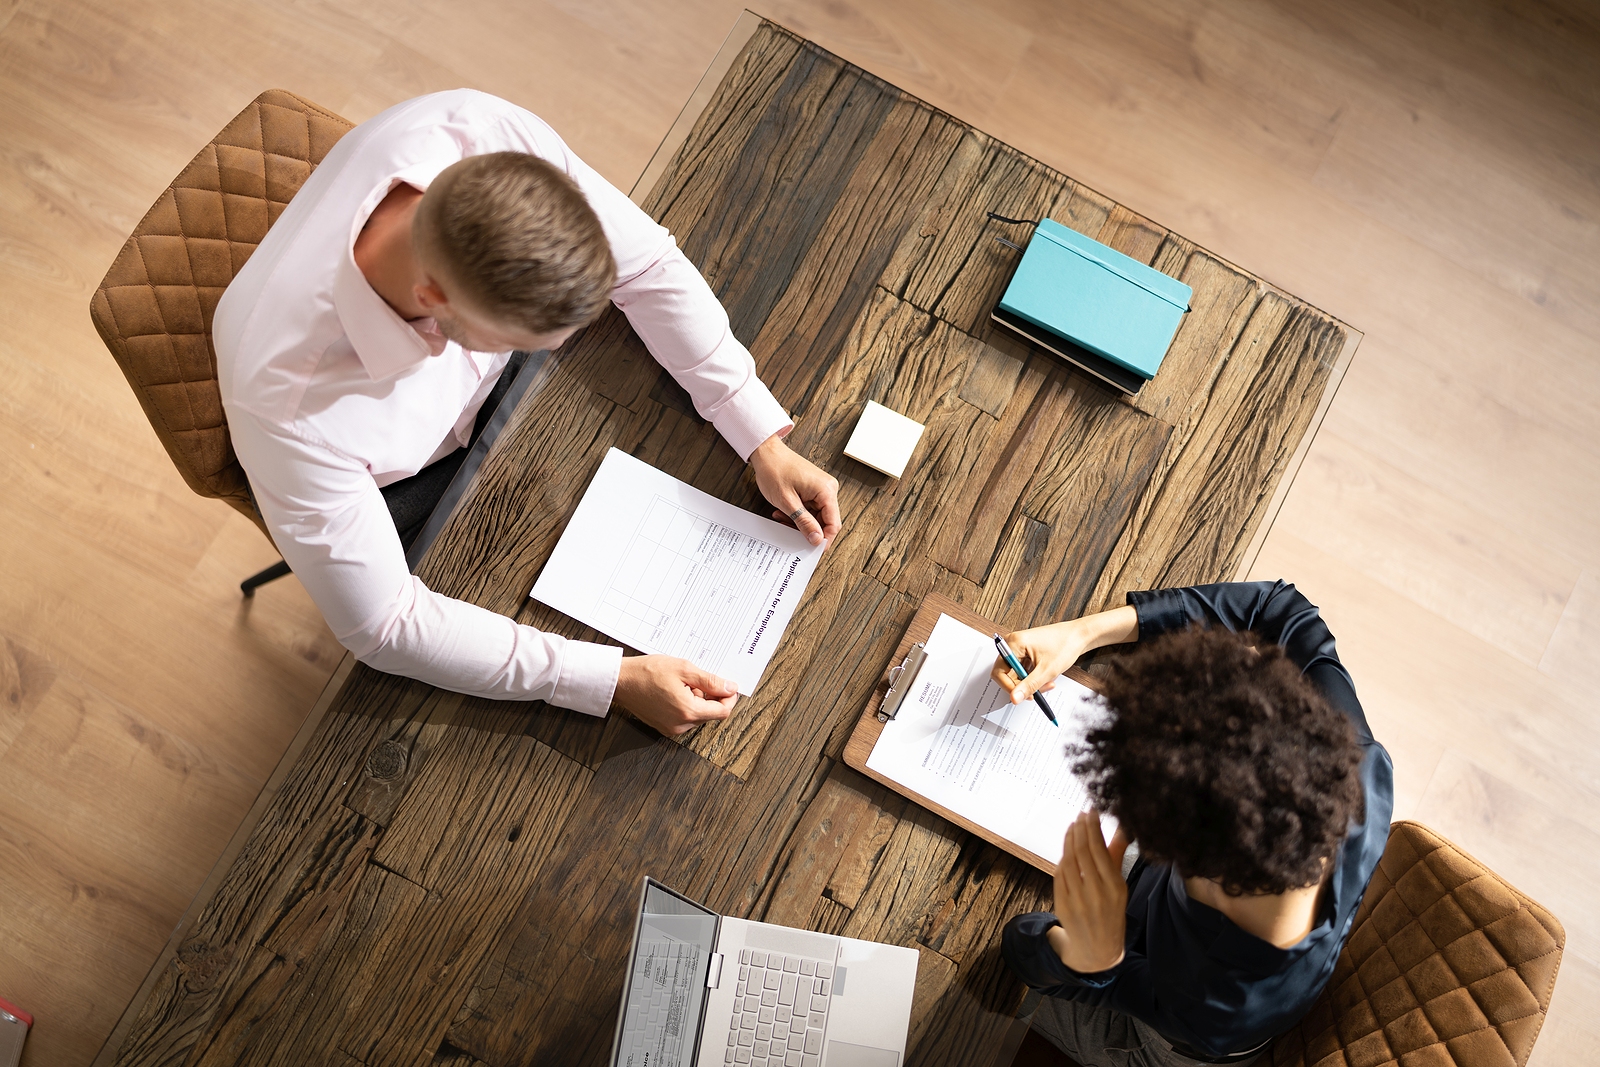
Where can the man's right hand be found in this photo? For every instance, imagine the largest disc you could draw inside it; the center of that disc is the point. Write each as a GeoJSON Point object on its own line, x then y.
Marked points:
{"type": "Point", "coordinates": [671, 694]}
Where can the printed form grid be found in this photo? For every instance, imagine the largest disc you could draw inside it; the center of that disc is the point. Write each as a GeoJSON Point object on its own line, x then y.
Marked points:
{"type": "Point", "coordinates": [684, 584]}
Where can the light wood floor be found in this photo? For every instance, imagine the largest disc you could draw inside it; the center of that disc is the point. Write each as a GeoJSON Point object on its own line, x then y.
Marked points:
{"type": "Point", "coordinates": [1427, 171]}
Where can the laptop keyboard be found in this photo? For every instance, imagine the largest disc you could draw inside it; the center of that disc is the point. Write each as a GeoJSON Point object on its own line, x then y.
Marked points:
{"type": "Point", "coordinates": [782, 1010]}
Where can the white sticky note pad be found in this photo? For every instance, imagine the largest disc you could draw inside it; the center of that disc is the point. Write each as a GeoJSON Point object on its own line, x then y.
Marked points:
{"type": "Point", "coordinates": [884, 439]}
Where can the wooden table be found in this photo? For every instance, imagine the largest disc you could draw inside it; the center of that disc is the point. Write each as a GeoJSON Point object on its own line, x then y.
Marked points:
{"type": "Point", "coordinates": [439, 879]}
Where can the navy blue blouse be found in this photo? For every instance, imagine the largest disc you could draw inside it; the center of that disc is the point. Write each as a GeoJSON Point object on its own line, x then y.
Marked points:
{"type": "Point", "coordinates": [1188, 971]}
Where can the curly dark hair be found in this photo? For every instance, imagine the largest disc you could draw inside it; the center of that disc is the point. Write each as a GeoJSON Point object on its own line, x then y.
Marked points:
{"type": "Point", "coordinates": [1220, 758]}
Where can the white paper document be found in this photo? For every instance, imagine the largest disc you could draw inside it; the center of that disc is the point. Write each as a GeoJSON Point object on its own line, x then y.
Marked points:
{"type": "Point", "coordinates": [958, 741]}
{"type": "Point", "coordinates": [665, 568]}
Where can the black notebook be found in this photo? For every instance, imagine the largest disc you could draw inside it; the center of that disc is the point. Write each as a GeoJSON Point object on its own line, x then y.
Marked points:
{"type": "Point", "coordinates": [1112, 374]}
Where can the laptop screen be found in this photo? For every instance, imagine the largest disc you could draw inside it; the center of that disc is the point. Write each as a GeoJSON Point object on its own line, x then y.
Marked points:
{"type": "Point", "coordinates": [666, 984]}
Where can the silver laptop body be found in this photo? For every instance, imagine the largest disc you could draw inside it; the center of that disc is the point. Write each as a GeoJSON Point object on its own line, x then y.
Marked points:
{"type": "Point", "coordinates": [704, 990]}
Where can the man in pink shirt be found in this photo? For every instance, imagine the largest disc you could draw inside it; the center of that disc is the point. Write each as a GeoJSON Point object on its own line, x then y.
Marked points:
{"type": "Point", "coordinates": [357, 344]}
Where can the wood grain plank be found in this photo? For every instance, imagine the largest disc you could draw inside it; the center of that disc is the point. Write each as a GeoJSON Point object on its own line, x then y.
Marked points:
{"type": "Point", "coordinates": [1016, 563]}
{"type": "Point", "coordinates": [991, 380]}
{"type": "Point", "coordinates": [932, 890]}
{"type": "Point", "coordinates": [837, 841]}
{"type": "Point", "coordinates": [1221, 304]}
{"type": "Point", "coordinates": [935, 975]}
{"type": "Point", "coordinates": [1202, 508]}
{"type": "Point", "coordinates": [828, 917]}
{"type": "Point", "coordinates": [1081, 208]}
{"type": "Point", "coordinates": [542, 994]}
{"type": "Point", "coordinates": [790, 173]}
{"type": "Point", "coordinates": [306, 1021]}
{"type": "Point", "coordinates": [1132, 234]}
{"type": "Point", "coordinates": [975, 516]}
{"type": "Point", "coordinates": [450, 1056]}
{"type": "Point", "coordinates": [397, 757]}
{"type": "Point", "coordinates": [688, 189]}
{"type": "Point", "coordinates": [1095, 472]}
{"type": "Point", "coordinates": [1172, 258]}
{"type": "Point", "coordinates": [515, 794]}
{"type": "Point", "coordinates": [509, 787]}
{"type": "Point", "coordinates": [302, 844]}
{"type": "Point", "coordinates": [897, 170]}
{"type": "Point", "coordinates": [986, 889]}
{"type": "Point", "coordinates": [950, 262]}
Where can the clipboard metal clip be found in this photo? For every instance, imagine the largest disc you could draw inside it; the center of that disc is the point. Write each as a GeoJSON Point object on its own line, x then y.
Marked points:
{"type": "Point", "coordinates": [901, 678]}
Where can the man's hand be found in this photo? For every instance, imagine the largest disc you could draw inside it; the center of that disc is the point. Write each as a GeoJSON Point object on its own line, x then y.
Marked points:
{"type": "Point", "coordinates": [671, 694]}
{"type": "Point", "coordinates": [1091, 898]}
{"type": "Point", "coordinates": [798, 489]}
{"type": "Point", "coordinates": [1047, 651]}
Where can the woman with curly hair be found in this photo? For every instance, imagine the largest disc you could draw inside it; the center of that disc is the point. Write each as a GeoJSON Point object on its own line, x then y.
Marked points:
{"type": "Point", "coordinates": [1240, 767]}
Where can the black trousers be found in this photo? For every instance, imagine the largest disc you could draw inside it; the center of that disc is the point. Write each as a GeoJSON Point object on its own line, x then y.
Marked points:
{"type": "Point", "coordinates": [411, 500]}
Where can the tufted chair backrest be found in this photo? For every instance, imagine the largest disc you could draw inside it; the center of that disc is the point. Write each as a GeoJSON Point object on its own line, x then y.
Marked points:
{"type": "Point", "coordinates": [1447, 966]}
{"type": "Point", "coordinates": [154, 307]}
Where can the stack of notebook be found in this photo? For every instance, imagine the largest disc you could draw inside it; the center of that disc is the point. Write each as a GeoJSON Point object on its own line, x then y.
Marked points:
{"type": "Point", "coordinates": [1093, 306]}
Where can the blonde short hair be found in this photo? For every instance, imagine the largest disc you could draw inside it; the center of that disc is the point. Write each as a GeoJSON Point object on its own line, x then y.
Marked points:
{"type": "Point", "coordinates": [515, 235]}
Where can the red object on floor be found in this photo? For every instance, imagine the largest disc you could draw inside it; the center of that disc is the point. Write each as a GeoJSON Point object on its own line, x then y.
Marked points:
{"type": "Point", "coordinates": [7, 1006]}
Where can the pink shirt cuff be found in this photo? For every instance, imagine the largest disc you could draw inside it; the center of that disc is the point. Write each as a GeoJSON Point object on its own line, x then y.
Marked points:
{"type": "Point", "coordinates": [749, 417]}
{"type": "Point", "coordinates": [588, 677]}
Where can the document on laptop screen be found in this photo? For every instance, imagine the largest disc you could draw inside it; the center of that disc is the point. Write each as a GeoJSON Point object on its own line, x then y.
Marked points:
{"type": "Point", "coordinates": [665, 568]}
{"type": "Point", "coordinates": [958, 741]}
{"type": "Point", "coordinates": [661, 1007]}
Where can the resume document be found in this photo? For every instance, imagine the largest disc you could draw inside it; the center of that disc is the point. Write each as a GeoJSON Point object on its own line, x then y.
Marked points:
{"type": "Point", "coordinates": [665, 568]}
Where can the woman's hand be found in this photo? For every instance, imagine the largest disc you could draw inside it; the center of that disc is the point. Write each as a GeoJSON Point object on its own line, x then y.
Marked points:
{"type": "Point", "coordinates": [1090, 898]}
{"type": "Point", "coordinates": [1047, 651]}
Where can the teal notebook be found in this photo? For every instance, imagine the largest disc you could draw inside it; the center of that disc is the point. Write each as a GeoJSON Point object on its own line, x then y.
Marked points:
{"type": "Point", "coordinates": [1115, 307]}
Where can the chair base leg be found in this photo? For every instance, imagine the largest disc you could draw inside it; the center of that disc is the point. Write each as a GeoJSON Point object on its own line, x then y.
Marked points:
{"type": "Point", "coordinates": [272, 573]}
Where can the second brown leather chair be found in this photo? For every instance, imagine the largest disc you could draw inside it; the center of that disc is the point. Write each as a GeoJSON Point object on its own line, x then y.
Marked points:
{"type": "Point", "coordinates": [1447, 966]}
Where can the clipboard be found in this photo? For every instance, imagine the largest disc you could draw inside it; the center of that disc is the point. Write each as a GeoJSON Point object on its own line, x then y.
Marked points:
{"type": "Point", "coordinates": [884, 703]}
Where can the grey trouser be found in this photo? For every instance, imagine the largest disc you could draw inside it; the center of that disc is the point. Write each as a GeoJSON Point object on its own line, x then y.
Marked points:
{"type": "Point", "coordinates": [1101, 1037]}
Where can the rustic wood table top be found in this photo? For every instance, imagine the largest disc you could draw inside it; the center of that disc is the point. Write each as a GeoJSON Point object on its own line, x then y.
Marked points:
{"type": "Point", "coordinates": [452, 880]}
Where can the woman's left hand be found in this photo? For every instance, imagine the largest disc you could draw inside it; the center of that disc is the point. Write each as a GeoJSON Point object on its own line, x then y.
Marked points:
{"type": "Point", "coordinates": [1091, 898]}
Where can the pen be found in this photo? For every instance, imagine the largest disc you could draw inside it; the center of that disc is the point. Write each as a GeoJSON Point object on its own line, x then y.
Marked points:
{"type": "Point", "coordinates": [1016, 668]}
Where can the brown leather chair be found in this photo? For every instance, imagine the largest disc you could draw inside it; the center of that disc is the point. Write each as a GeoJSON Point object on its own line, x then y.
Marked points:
{"type": "Point", "coordinates": [1447, 966]}
{"type": "Point", "coordinates": [154, 307]}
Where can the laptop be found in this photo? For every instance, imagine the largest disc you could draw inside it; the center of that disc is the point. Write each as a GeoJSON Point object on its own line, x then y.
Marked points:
{"type": "Point", "coordinates": [704, 990]}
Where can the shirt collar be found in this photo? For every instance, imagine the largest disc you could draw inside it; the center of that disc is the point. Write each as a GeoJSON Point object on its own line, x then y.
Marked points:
{"type": "Point", "coordinates": [385, 343]}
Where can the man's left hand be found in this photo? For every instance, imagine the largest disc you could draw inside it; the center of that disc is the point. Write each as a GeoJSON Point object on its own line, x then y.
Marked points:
{"type": "Point", "coordinates": [1090, 898]}
{"type": "Point", "coordinates": [800, 491]}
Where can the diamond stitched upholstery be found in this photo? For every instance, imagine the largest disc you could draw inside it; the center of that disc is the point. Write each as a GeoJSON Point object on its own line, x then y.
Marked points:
{"type": "Point", "coordinates": [154, 307]}
{"type": "Point", "coordinates": [1447, 966]}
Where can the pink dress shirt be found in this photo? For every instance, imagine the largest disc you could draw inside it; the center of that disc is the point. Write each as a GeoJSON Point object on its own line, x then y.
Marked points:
{"type": "Point", "coordinates": [330, 395]}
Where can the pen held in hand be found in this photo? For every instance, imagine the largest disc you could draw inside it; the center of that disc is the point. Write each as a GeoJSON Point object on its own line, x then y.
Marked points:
{"type": "Point", "coordinates": [1016, 668]}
